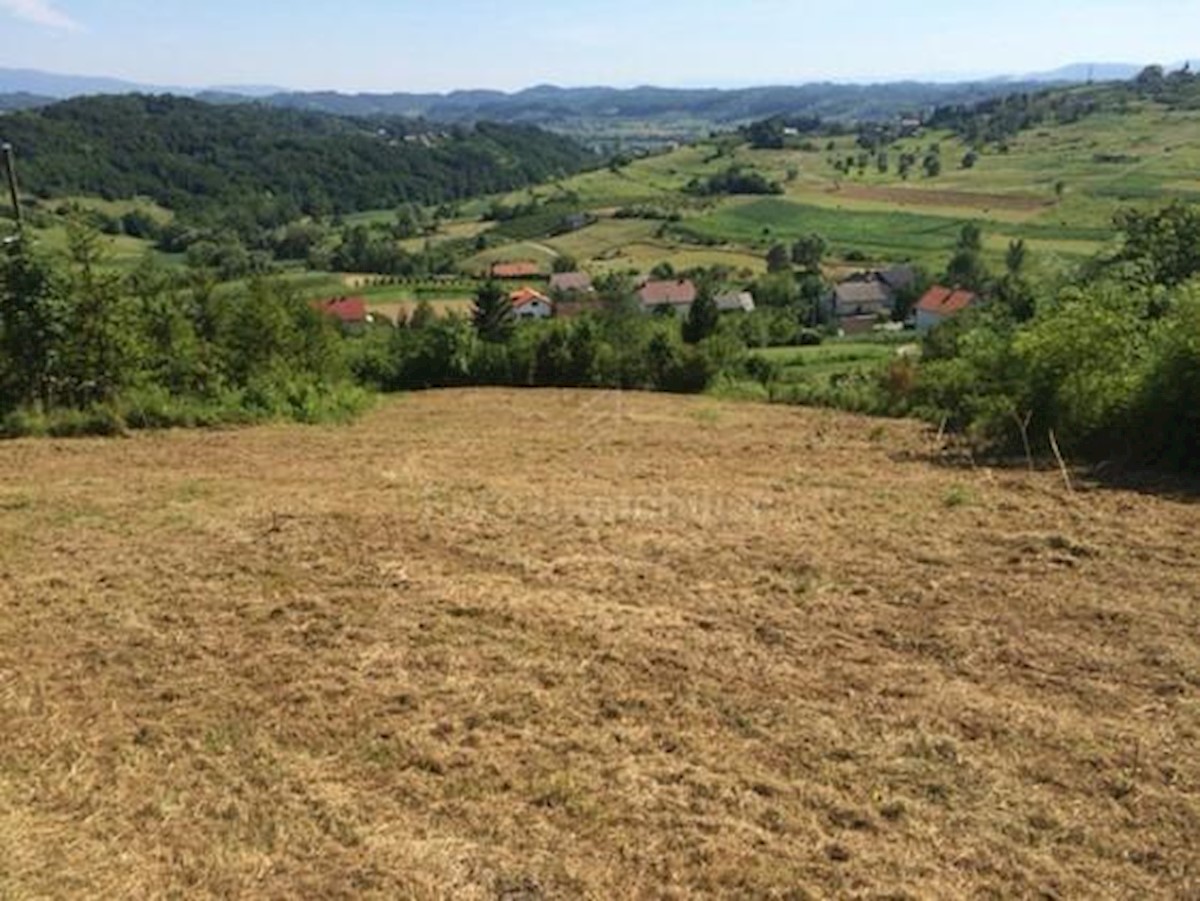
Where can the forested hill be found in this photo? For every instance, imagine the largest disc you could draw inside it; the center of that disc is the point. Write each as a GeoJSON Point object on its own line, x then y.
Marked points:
{"type": "Point", "coordinates": [594, 110]}
{"type": "Point", "coordinates": [189, 155]}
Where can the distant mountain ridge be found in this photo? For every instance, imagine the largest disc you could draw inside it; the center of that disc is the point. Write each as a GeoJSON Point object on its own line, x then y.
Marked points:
{"type": "Point", "coordinates": [599, 113]}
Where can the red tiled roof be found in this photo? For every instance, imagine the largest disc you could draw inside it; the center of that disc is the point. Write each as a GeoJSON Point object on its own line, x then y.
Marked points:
{"type": "Point", "coordinates": [519, 269]}
{"type": "Point", "coordinates": [942, 301]}
{"type": "Point", "coordinates": [526, 296]}
{"type": "Point", "coordinates": [344, 309]}
{"type": "Point", "coordinates": [673, 292]}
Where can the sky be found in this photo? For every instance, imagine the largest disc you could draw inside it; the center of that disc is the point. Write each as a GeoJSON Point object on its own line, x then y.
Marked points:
{"type": "Point", "coordinates": [438, 45]}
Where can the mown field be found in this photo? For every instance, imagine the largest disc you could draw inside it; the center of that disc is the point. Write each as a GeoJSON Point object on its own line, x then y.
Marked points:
{"type": "Point", "coordinates": [541, 644]}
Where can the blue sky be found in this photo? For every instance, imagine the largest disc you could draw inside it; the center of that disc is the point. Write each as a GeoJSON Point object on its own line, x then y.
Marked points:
{"type": "Point", "coordinates": [444, 44]}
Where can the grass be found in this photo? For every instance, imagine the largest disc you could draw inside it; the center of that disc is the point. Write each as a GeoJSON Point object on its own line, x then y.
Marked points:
{"type": "Point", "coordinates": [741, 651]}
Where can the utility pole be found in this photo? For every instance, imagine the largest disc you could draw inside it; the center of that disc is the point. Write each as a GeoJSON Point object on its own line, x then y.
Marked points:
{"type": "Point", "coordinates": [10, 170]}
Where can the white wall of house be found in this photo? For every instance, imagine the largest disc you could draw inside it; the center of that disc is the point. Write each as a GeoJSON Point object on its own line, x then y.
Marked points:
{"type": "Point", "coordinates": [537, 309]}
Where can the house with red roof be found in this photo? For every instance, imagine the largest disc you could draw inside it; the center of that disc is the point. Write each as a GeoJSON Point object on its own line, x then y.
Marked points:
{"type": "Point", "coordinates": [530, 304]}
{"type": "Point", "coordinates": [674, 294]}
{"type": "Point", "coordinates": [349, 312]}
{"type": "Point", "coordinates": [516, 269]}
{"type": "Point", "coordinates": [941, 303]}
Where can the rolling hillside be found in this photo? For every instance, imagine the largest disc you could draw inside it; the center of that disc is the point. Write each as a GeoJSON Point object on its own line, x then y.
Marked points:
{"type": "Point", "coordinates": [187, 154]}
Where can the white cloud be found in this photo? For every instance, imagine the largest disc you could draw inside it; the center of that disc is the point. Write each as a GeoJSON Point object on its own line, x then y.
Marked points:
{"type": "Point", "coordinates": [39, 12]}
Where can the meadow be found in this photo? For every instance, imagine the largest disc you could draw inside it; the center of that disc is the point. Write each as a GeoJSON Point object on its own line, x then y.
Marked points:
{"type": "Point", "coordinates": [744, 651]}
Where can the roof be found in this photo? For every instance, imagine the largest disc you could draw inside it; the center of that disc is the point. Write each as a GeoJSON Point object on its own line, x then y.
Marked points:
{"type": "Point", "coordinates": [736, 300]}
{"type": "Point", "coordinates": [943, 301]}
{"type": "Point", "coordinates": [526, 296]}
{"type": "Point", "coordinates": [570, 281]}
{"type": "Point", "coordinates": [518, 269]}
{"type": "Point", "coordinates": [680, 292]}
{"type": "Point", "coordinates": [863, 293]}
{"type": "Point", "coordinates": [344, 309]}
{"type": "Point", "coordinates": [898, 277]}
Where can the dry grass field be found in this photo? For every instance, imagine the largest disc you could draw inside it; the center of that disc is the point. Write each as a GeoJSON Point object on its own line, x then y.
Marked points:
{"type": "Point", "coordinates": [521, 645]}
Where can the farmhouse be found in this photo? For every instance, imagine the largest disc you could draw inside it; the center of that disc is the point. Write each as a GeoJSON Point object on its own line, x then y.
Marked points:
{"type": "Point", "coordinates": [736, 302]}
{"type": "Point", "coordinates": [517, 269]}
{"type": "Point", "coordinates": [530, 304]}
{"type": "Point", "coordinates": [941, 303]}
{"type": "Point", "coordinates": [861, 297]}
{"type": "Point", "coordinates": [677, 295]}
{"type": "Point", "coordinates": [349, 312]}
{"type": "Point", "coordinates": [571, 283]}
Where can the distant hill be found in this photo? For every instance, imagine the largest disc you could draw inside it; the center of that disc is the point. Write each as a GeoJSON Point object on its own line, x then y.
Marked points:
{"type": "Point", "coordinates": [1084, 72]}
{"type": "Point", "coordinates": [51, 84]}
{"type": "Point", "coordinates": [189, 155]}
{"type": "Point", "coordinates": [22, 100]}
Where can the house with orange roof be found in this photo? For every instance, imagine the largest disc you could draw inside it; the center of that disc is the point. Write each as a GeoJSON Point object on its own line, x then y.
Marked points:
{"type": "Point", "coordinates": [530, 304]}
{"type": "Point", "coordinates": [941, 303]}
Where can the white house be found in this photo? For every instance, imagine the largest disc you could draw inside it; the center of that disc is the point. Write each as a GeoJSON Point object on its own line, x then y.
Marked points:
{"type": "Point", "coordinates": [530, 304]}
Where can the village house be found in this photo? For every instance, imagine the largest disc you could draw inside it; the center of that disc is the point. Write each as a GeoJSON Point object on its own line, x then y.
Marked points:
{"type": "Point", "coordinates": [860, 302]}
{"type": "Point", "coordinates": [676, 294]}
{"type": "Point", "coordinates": [516, 269]}
{"type": "Point", "coordinates": [530, 304]}
{"type": "Point", "coordinates": [941, 303]}
{"type": "Point", "coordinates": [349, 312]}
{"type": "Point", "coordinates": [736, 302]}
{"type": "Point", "coordinates": [570, 283]}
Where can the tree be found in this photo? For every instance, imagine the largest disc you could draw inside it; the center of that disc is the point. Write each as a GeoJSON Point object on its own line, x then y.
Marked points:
{"type": "Point", "coordinates": [809, 251]}
{"type": "Point", "coordinates": [703, 316]}
{"type": "Point", "coordinates": [970, 159]}
{"type": "Point", "coordinates": [422, 315]}
{"type": "Point", "coordinates": [966, 267]}
{"type": "Point", "coordinates": [1164, 244]}
{"type": "Point", "coordinates": [33, 322]}
{"type": "Point", "coordinates": [565, 263]}
{"type": "Point", "coordinates": [778, 259]}
{"type": "Point", "coordinates": [933, 165]}
{"type": "Point", "coordinates": [493, 315]}
{"type": "Point", "coordinates": [1014, 259]}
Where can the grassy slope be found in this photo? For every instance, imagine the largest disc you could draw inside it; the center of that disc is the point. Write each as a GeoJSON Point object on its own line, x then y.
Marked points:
{"type": "Point", "coordinates": [744, 651]}
{"type": "Point", "coordinates": [1011, 195]}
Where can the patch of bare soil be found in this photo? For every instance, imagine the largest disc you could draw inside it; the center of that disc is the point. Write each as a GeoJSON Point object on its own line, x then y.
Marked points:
{"type": "Point", "coordinates": [498, 644]}
{"type": "Point", "coordinates": [926, 197]}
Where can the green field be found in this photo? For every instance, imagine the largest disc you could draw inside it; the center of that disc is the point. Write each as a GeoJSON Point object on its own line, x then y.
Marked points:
{"type": "Point", "coordinates": [1056, 188]}
{"type": "Point", "coordinates": [1051, 187]}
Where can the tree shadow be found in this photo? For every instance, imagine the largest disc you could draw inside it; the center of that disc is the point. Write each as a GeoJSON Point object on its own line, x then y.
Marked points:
{"type": "Point", "coordinates": [1173, 486]}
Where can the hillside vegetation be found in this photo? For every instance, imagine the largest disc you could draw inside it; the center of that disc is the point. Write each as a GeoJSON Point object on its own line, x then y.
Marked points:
{"type": "Point", "coordinates": [186, 155]}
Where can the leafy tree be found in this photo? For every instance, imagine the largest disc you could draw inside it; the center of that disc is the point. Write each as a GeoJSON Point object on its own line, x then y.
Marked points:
{"type": "Point", "coordinates": [703, 316]}
{"type": "Point", "coordinates": [778, 259]}
{"type": "Point", "coordinates": [565, 263]}
{"type": "Point", "coordinates": [493, 315]}
{"type": "Point", "coordinates": [1015, 257]}
{"type": "Point", "coordinates": [34, 317]}
{"type": "Point", "coordinates": [966, 266]}
{"type": "Point", "coordinates": [422, 315]}
{"type": "Point", "coordinates": [932, 165]}
{"type": "Point", "coordinates": [809, 251]}
{"type": "Point", "coordinates": [1164, 244]}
